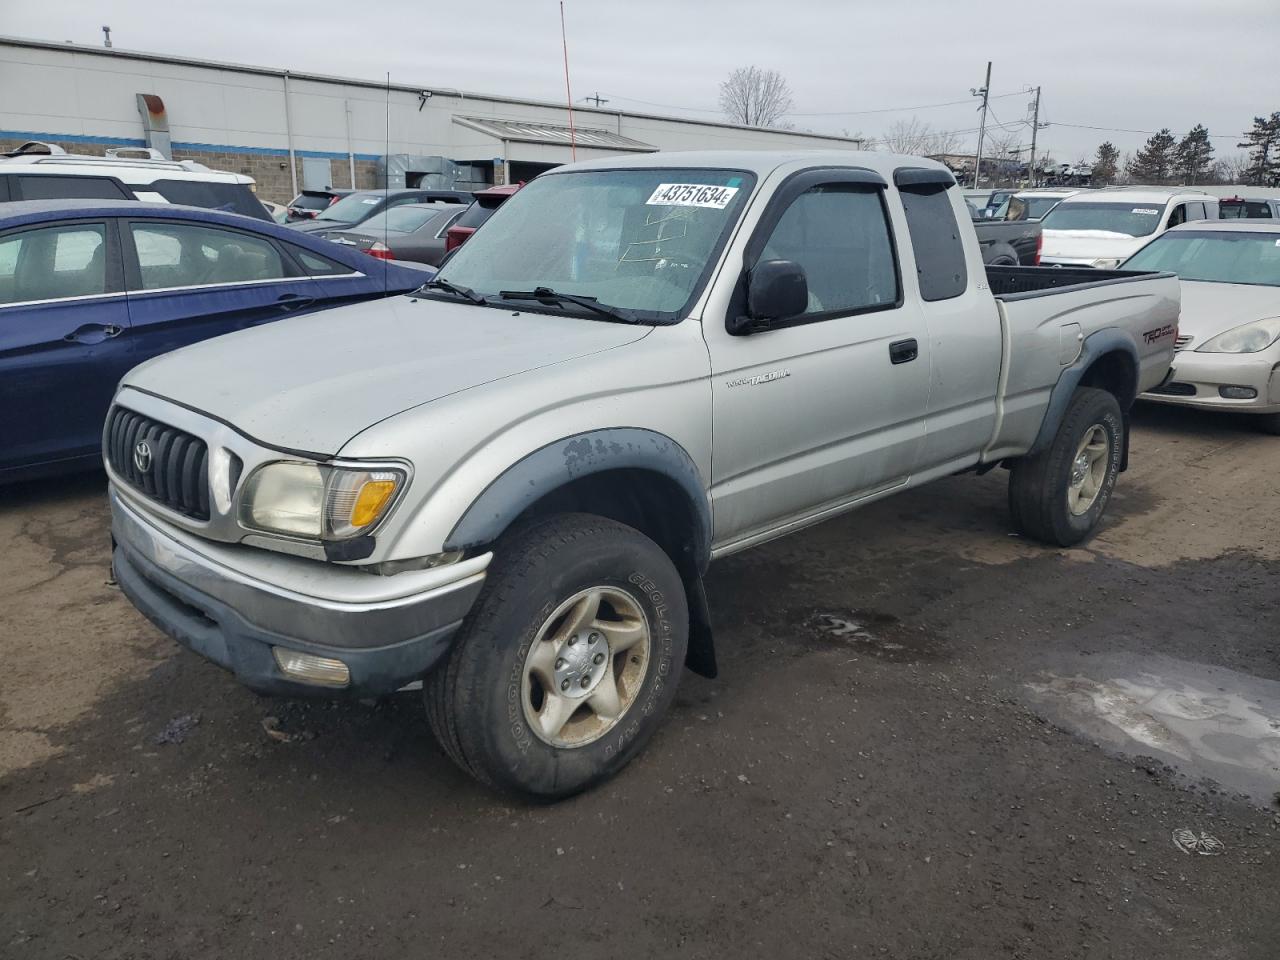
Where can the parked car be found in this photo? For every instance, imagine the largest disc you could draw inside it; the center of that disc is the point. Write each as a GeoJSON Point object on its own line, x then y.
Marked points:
{"type": "Point", "coordinates": [308, 203]}
{"type": "Point", "coordinates": [1007, 242]}
{"type": "Point", "coordinates": [412, 232]}
{"type": "Point", "coordinates": [1251, 208]}
{"type": "Point", "coordinates": [1229, 334]}
{"type": "Point", "coordinates": [358, 206]}
{"type": "Point", "coordinates": [486, 202]}
{"type": "Point", "coordinates": [44, 171]}
{"type": "Point", "coordinates": [1101, 228]}
{"type": "Point", "coordinates": [90, 288]}
{"type": "Point", "coordinates": [642, 363]}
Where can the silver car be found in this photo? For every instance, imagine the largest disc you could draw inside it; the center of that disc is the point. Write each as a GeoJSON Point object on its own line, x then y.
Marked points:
{"type": "Point", "coordinates": [1229, 334]}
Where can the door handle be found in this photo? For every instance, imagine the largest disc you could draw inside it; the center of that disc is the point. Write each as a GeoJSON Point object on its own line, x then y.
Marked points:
{"type": "Point", "coordinates": [93, 333]}
{"type": "Point", "coordinates": [292, 301]}
{"type": "Point", "coordinates": [903, 351]}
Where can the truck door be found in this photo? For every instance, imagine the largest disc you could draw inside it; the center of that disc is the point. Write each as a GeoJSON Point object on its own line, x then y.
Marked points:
{"type": "Point", "coordinates": [965, 339]}
{"type": "Point", "coordinates": [826, 407]}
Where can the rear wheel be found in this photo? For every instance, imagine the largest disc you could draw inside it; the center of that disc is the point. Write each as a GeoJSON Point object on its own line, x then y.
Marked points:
{"type": "Point", "coordinates": [568, 661]}
{"type": "Point", "coordinates": [1059, 495]}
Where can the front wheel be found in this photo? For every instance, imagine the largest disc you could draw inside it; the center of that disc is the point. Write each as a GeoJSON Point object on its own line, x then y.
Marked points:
{"type": "Point", "coordinates": [567, 663]}
{"type": "Point", "coordinates": [1059, 495]}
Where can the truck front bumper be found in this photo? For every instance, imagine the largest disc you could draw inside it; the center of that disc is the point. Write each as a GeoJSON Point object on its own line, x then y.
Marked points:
{"type": "Point", "coordinates": [1238, 382]}
{"type": "Point", "coordinates": [238, 606]}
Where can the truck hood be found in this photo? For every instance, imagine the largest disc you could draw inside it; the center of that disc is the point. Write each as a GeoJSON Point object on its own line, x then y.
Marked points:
{"type": "Point", "coordinates": [311, 383]}
{"type": "Point", "coordinates": [1209, 309]}
{"type": "Point", "coordinates": [1090, 244]}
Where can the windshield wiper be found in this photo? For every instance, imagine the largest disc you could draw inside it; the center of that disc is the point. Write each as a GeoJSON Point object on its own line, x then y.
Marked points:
{"type": "Point", "coordinates": [457, 290]}
{"type": "Point", "coordinates": [548, 296]}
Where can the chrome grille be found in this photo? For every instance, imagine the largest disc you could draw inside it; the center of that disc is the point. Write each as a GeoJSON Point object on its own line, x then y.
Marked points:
{"type": "Point", "coordinates": [1181, 341]}
{"type": "Point", "coordinates": [174, 468]}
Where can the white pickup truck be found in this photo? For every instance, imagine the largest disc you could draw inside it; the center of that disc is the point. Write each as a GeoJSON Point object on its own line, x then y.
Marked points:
{"type": "Point", "coordinates": [509, 484]}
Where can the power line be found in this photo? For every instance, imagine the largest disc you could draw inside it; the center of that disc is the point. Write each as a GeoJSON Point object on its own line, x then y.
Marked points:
{"type": "Point", "coordinates": [828, 113]}
{"type": "Point", "coordinates": [1085, 126]}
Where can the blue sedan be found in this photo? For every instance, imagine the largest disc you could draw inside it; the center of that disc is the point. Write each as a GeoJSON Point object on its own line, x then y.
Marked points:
{"type": "Point", "coordinates": [89, 289]}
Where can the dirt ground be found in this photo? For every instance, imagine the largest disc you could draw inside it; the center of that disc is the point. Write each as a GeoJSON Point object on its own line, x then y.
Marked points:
{"type": "Point", "coordinates": [877, 772]}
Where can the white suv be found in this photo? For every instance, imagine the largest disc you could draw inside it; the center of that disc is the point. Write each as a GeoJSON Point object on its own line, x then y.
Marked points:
{"type": "Point", "coordinates": [1100, 228]}
{"type": "Point", "coordinates": [44, 171]}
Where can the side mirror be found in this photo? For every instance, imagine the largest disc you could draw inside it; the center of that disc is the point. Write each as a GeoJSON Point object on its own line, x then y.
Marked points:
{"type": "Point", "coordinates": [776, 290]}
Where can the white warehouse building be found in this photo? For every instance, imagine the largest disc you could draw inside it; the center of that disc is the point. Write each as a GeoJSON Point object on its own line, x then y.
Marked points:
{"type": "Point", "coordinates": [295, 130]}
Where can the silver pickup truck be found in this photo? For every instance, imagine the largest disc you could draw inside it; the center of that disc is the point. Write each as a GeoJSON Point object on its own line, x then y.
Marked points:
{"type": "Point", "coordinates": [509, 485]}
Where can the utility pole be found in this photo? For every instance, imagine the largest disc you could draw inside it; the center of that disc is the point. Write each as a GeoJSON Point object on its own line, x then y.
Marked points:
{"type": "Point", "coordinates": [1035, 125]}
{"type": "Point", "coordinates": [985, 94]}
{"type": "Point", "coordinates": [597, 99]}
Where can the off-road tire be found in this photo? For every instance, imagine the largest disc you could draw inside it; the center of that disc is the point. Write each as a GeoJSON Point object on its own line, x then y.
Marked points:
{"type": "Point", "coordinates": [474, 697]}
{"type": "Point", "coordinates": [1038, 484]}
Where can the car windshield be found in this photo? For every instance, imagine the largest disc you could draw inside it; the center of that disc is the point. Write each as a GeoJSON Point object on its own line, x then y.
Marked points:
{"type": "Point", "coordinates": [352, 208]}
{"type": "Point", "coordinates": [1130, 218]}
{"type": "Point", "coordinates": [1240, 209]}
{"type": "Point", "coordinates": [1244, 257]}
{"type": "Point", "coordinates": [642, 240]}
{"type": "Point", "coordinates": [400, 219]}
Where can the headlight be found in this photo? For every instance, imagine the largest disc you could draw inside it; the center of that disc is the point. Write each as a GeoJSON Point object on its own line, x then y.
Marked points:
{"type": "Point", "coordinates": [1248, 338]}
{"type": "Point", "coordinates": [1106, 264]}
{"type": "Point", "coordinates": [318, 501]}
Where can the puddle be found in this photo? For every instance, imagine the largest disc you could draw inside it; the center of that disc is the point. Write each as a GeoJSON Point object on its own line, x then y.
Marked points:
{"type": "Point", "coordinates": [875, 634]}
{"type": "Point", "coordinates": [1207, 722]}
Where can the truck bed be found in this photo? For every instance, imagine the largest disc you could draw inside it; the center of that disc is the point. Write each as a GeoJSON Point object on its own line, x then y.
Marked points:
{"type": "Point", "coordinates": [1009, 283]}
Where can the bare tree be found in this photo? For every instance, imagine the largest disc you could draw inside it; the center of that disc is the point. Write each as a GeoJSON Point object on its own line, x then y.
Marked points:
{"type": "Point", "coordinates": [1232, 169]}
{"type": "Point", "coordinates": [919, 139]}
{"type": "Point", "coordinates": [755, 97]}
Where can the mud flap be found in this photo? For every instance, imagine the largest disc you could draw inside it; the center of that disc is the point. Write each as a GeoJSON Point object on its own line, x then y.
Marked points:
{"type": "Point", "coordinates": [701, 654]}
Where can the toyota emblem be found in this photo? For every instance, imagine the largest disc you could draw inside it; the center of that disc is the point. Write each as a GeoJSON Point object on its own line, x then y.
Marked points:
{"type": "Point", "coordinates": [142, 456]}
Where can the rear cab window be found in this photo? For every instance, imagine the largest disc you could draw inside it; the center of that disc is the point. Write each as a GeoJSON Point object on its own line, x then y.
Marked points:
{"type": "Point", "coordinates": [941, 269]}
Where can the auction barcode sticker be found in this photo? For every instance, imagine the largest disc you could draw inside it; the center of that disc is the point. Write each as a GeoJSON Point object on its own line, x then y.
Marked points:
{"type": "Point", "coordinates": [1147, 210]}
{"type": "Point", "coordinates": [691, 195]}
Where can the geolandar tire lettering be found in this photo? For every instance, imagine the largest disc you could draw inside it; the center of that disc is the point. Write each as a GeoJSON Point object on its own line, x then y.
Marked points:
{"type": "Point", "coordinates": [568, 661]}
{"type": "Point", "coordinates": [1059, 495]}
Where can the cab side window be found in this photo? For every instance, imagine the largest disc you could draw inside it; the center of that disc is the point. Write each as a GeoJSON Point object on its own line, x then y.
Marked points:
{"type": "Point", "coordinates": [839, 234]}
{"type": "Point", "coordinates": [1179, 215]}
{"type": "Point", "coordinates": [185, 255]}
{"type": "Point", "coordinates": [50, 263]}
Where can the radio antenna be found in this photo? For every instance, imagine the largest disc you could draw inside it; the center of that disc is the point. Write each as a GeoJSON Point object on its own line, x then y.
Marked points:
{"type": "Point", "coordinates": [386, 193]}
{"type": "Point", "coordinates": [564, 42]}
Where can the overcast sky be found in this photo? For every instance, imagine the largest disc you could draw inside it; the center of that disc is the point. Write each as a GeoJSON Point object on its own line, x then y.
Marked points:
{"type": "Point", "coordinates": [1130, 64]}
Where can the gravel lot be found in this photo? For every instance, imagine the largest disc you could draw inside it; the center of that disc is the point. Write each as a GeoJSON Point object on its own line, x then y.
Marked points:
{"type": "Point", "coordinates": [929, 739]}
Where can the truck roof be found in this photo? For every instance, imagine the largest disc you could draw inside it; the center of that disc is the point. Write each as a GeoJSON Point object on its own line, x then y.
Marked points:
{"type": "Point", "coordinates": [761, 162]}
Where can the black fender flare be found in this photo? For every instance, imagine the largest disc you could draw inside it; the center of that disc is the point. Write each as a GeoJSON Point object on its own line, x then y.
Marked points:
{"type": "Point", "coordinates": [596, 451]}
{"type": "Point", "coordinates": [1098, 343]}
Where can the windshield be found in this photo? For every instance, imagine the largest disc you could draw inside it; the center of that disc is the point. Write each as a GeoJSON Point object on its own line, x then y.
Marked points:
{"type": "Point", "coordinates": [352, 208]}
{"type": "Point", "coordinates": [1132, 219]}
{"type": "Point", "coordinates": [399, 219]}
{"type": "Point", "coordinates": [1216, 257]}
{"type": "Point", "coordinates": [641, 240]}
